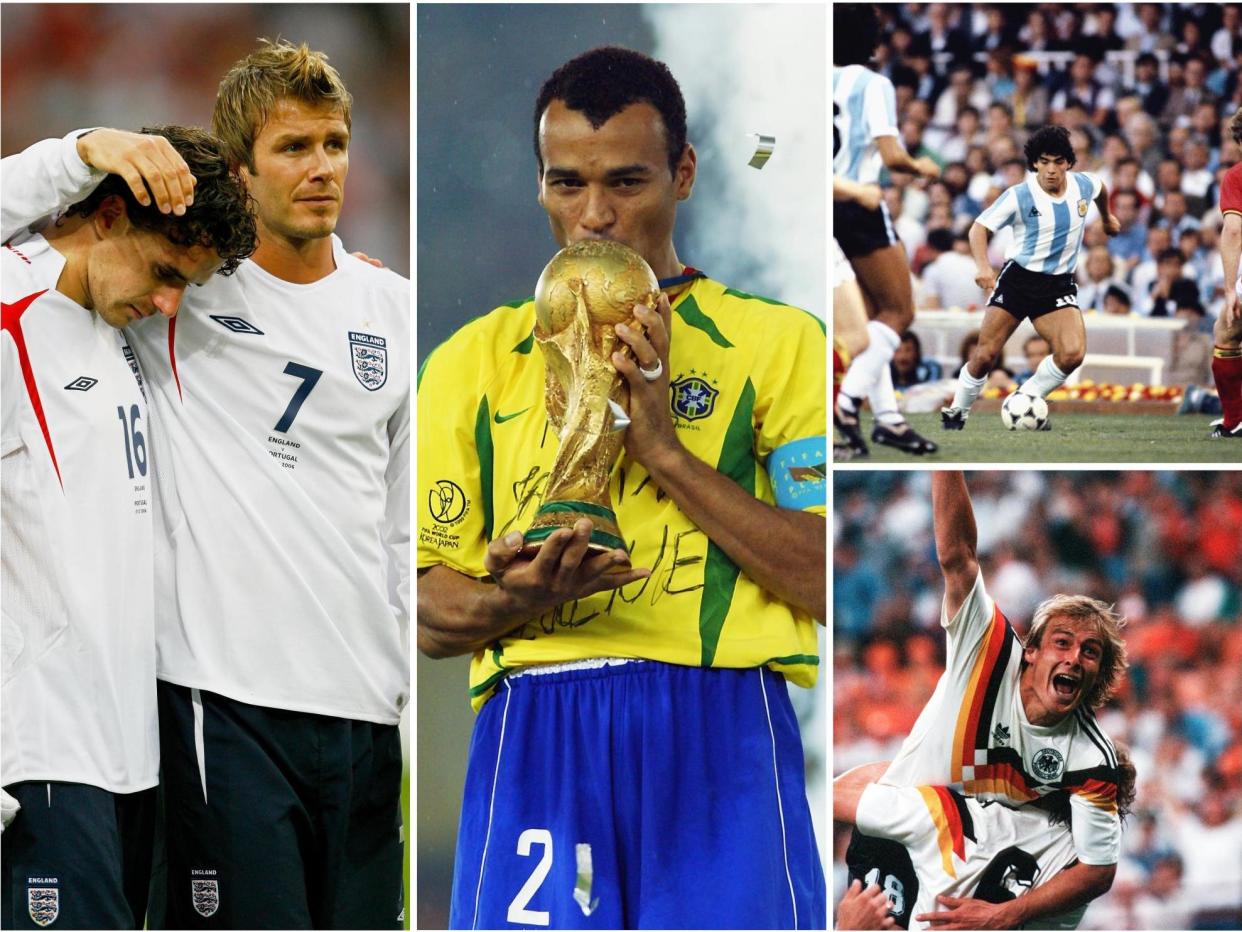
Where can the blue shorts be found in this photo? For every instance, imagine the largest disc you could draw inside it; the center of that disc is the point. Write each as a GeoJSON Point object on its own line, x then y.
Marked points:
{"type": "Point", "coordinates": [636, 796]}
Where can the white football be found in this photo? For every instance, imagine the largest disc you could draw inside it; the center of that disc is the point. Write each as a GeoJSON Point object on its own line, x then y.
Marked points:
{"type": "Point", "coordinates": [1024, 412]}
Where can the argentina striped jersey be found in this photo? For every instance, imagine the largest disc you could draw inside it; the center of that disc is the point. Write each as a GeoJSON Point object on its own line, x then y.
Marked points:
{"type": "Point", "coordinates": [1048, 231]}
{"type": "Point", "coordinates": [864, 107]}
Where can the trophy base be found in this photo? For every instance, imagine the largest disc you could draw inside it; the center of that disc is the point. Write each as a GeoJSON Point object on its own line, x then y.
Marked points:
{"type": "Point", "coordinates": [551, 516]}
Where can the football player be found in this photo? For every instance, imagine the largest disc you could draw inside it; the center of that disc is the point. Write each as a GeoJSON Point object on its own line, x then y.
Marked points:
{"type": "Point", "coordinates": [282, 582]}
{"type": "Point", "coordinates": [79, 733]}
{"type": "Point", "coordinates": [1012, 720]}
{"type": "Point", "coordinates": [1227, 357]}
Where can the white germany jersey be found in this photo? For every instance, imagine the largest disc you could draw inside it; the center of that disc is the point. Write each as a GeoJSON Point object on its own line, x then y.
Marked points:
{"type": "Point", "coordinates": [962, 847]}
{"type": "Point", "coordinates": [78, 619]}
{"type": "Point", "coordinates": [864, 107]}
{"type": "Point", "coordinates": [973, 735]}
{"type": "Point", "coordinates": [1047, 231]}
{"type": "Point", "coordinates": [282, 575]}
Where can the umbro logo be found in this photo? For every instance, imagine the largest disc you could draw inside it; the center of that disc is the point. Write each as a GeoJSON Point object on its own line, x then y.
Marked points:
{"type": "Point", "coordinates": [236, 324]}
{"type": "Point", "coordinates": [83, 383]}
{"type": "Point", "coordinates": [1000, 735]}
{"type": "Point", "coordinates": [1034, 212]}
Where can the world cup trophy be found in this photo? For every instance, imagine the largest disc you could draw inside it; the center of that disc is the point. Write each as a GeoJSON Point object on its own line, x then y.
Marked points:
{"type": "Point", "coordinates": [584, 292]}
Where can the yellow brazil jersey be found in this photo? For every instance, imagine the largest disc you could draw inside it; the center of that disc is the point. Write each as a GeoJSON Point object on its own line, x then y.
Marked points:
{"type": "Point", "coordinates": [747, 396]}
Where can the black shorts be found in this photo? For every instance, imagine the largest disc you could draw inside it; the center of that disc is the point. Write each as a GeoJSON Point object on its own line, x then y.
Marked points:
{"type": "Point", "coordinates": [886, 863]}
{"type": "Point", "coordinates": [1024, 293]}
{"type": "Point", "coordinates": [275, 819]}
{"type": "Point", "coordinates": [76, 857]}
{"type": "Point", "coordinates": [861, 231]}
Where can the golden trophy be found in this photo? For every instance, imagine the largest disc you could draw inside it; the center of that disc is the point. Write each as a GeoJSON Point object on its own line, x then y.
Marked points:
{"type": "Point", "coordinates": [585, 291]}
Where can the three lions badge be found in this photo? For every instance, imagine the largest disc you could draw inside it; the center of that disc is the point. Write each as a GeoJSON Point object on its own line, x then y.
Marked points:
{"type": "Point", "coordinates": [369, 355]}
{"type": "Point", "coordinates": [43, 900]}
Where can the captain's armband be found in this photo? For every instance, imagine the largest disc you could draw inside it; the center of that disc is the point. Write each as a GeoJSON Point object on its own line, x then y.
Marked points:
{"type": "Point", "coordinates": [799, 473]}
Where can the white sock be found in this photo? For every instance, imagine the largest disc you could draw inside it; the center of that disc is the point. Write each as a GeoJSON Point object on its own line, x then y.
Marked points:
{"type": "Point", "coordinates": [1047, 378]}
{"type": "Point", "coordinates": [864, 371]}
{"type": "Point", "coordinates": [884, 399]}
{"type": "Point", "coordinates": [968, 389]}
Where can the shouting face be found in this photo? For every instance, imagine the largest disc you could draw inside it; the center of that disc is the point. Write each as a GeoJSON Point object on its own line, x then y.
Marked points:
{"type": "Point", "coordinates": [1061, 670]}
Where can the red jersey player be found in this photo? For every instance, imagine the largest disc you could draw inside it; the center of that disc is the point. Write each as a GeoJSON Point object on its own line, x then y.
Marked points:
{"type": "Point", "coordinates": [1227, 357]}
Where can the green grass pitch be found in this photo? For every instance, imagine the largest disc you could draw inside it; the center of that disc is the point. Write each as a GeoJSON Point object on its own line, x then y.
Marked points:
{"type": "Point", "coordinates": [1074, 438]}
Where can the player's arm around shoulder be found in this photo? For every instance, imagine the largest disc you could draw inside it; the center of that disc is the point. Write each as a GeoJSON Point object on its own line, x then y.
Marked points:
{"type": "Point", "coordinates": [957, 538]}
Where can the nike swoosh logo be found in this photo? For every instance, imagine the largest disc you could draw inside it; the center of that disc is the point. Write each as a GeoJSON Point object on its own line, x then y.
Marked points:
{"type": "Point", "coordinates": [501, 418]}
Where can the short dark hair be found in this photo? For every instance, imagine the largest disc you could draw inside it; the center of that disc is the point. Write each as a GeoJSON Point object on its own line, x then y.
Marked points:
{"type": "Point", "coordinates": [601, 83]}
{"type": "Point", "coordinates": [1235, 127]}
{"type": "Point", "coordinates": [1049, 140]}
{"type": "Point", "coordinates": [941, 240]}
{"type": "Point", "coordinates": [856, 33]}
{"type": "Point", "coordinates": [1171, 253]}
{"type": "Point", "coordinates": [220, 218]}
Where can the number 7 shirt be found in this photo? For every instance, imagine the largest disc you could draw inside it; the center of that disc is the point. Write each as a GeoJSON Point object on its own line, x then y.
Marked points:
{"type": "Point", "coordinates": [283, 492]}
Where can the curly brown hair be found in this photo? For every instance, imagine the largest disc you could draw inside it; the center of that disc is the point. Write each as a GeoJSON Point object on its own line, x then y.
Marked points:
{"type": "Point", "coordinates": [220, 218]}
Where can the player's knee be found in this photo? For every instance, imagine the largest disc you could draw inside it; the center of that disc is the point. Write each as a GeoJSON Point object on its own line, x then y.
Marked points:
{"type": "Point", "coordinates": [1069, 358]}
{"type": "Point", "coordinates": [983, 359]}
{"type": "Point", "coordinates": [1230, 335]}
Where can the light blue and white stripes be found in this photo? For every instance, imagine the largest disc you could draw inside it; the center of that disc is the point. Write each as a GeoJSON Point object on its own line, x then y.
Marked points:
{"type": "Point", "coordinates": [1048, 232]}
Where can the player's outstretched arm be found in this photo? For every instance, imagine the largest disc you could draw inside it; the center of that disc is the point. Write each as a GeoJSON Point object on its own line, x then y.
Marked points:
{"type": "Point", "coordinates": [956, 537]}
{"type": "Point", "coordinates": [458, 614]}
{"type": "Point", "coordinates": [1073, 887]}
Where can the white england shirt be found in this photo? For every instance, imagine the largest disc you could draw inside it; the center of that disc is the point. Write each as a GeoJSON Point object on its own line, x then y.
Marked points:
{"type": "Point", "coordinates": [864, 107]}
{"type": "Point", "coordinates": [961, 847]}
{"type": "Point", "coordinates": [283, 494]}
{"type": "Point", "coordinates": [1047, 231]}
{"type": "Point", "coordinates": [973, 735]}
{"type": "Point", "coordinates": [282, 504]}
{"type": "Point", "coordinates": [78, 621]}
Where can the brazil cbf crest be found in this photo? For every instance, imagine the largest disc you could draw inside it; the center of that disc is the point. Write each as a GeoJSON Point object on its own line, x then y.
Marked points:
{"type": "Point", "coordinates": [693, 398]}
{"type": "Point", "coordinates": [43, 899]}
{"type": "Point", "coordinates": [370, 358]}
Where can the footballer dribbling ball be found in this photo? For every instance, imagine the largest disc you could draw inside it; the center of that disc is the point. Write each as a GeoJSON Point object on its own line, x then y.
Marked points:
{"type": "Point", "coordinates": [1024, 412]}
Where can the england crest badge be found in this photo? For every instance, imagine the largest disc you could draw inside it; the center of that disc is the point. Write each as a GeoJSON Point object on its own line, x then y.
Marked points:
{"type": "Point", "coordinates": [42, 902]}
{"type": "Point", "coordinates": [370, 358]}
{"type": "Point", "coordinates": [206, 896]}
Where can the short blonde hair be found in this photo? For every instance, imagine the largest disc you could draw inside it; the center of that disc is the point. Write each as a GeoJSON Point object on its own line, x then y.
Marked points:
{"type": "Point", "coordinates": [1108, 625]}
{"type": "Point", "coordinates": [273, 71]}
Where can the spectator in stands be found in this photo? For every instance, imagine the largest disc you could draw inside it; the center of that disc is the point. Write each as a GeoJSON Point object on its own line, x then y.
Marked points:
{"type": "Point", "coordinates": [959, 94]}
{"type": "Point", "coordinates": [1141, 133]}
{"type": "Point", "coordinates": [948, 279]}
{"type": "Point", "coordinates": [1117, 300]}
{"type": "Point", "coordinates": [1198, 180]}
{"type": "Point", "coordinates": [1037, 35]}
{"type": "Point", "coordinates": [1169, 288]}
{"type": "Point", "coordinates": [1189, 94]}
{"type": "Point", "coordinates": [967, 132]}
{"type": "Point", "coordinates": [1099, 277]}
{"type": "Point", "coordinates": [1030, 97]}
{"type": "Point", "coordinates": [1152, 37]}
{"type": "Point", "coordinates": [1128, 244]}
{"type": "Point", "coordinates": [1175, 217]}
{"type": "Point", "coordinates": [996, 31]}
{"type": "Point", "coordinates": [1035, 350]}
{"type": "Point", "coordinates": [943, 38]}
{"type": "Point", "coordinates": [1153, 92]}
{"type": "Point", "coordinates": [1082, 87]}
{"type": "Point", "coordinates": [1100, 31]}
{"type": "Point", "coordinates": [1191, 357]}
{"type": "Point", "coordinates": [1144, 274]}
{"type": "Point", "coordinates": [1224, 40]}
{"type": "Point", "coordinates": [909, 367]}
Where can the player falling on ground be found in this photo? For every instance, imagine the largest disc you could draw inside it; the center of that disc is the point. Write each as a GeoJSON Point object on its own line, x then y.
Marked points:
{"type": "Point", "coordinates": [1012, 722]}
{"type": "Point", "coordinates": [648, 676]}
{"type": "Point", "coordinates": [79, 730]}
{"type": "Point", "coordinates": [282, 581]}
{"type": "Point", "coordinates": [1048, 211]}
{"type": "Point", "coordinates": [944, 847]}
{"type": "Point", "coordinates": [864, 107]}
{"type": "Point", "coordinates": [1227, 357]}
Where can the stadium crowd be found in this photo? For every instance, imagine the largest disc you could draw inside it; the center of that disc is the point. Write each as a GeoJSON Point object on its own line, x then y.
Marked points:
{"type": "Point", "coordinates": [1146, 90]}
{"type": "Point", "coordinates": [1165, 548]}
